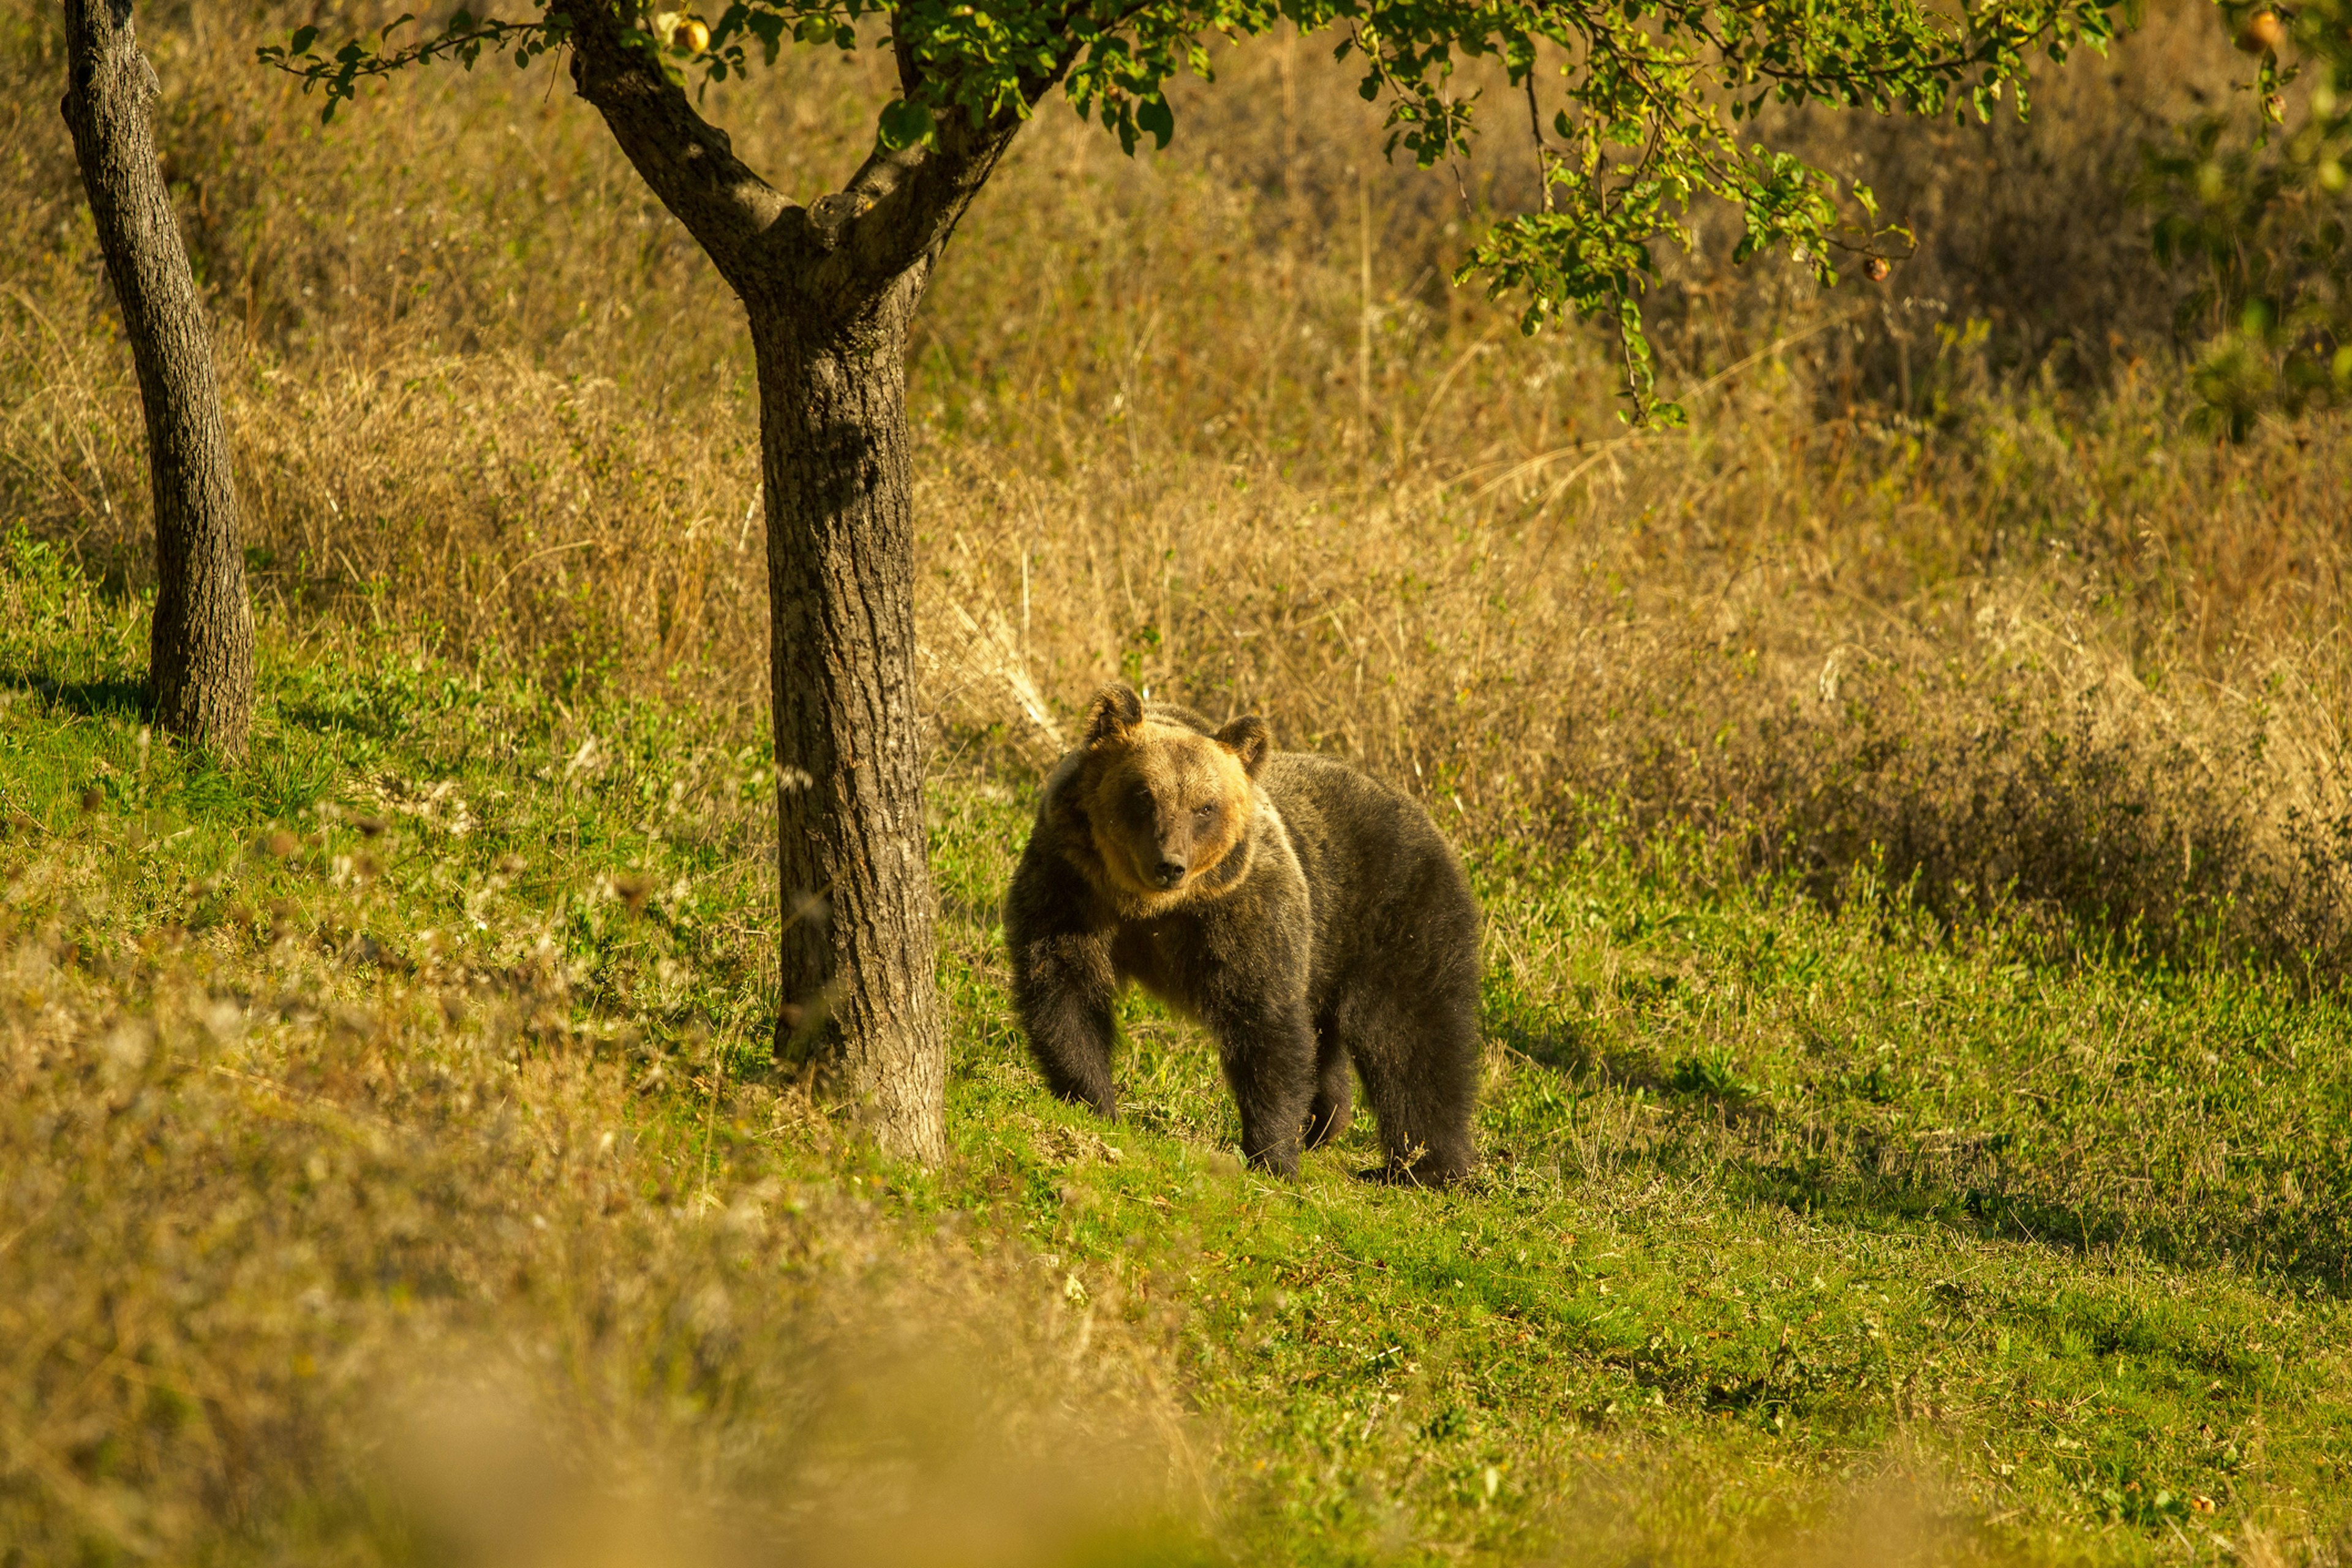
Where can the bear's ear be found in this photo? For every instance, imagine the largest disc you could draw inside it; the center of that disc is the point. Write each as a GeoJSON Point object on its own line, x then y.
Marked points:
{"type": "Point", "coordinates": [1247, 738]}
{"type": "Point", "coordinates": [1117, 709]}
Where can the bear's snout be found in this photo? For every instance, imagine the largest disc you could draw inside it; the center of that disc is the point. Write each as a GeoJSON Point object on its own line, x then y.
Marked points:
{"type": "Point", "coordinates": [1168, 855]}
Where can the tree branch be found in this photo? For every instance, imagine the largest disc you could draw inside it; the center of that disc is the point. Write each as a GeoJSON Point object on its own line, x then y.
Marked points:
{"type": "Point", "coordinates": [688, 162]}
{"type": "Point", "coordinates": [1543, 149]}
{"type": "Point", "coordinates": [910, 73]}
{"type": "Point", "coordinates": [902, 205]}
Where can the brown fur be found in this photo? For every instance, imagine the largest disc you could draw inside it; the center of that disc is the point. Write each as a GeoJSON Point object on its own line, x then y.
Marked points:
{"type": "Point", "coordinates": [1190, 774]}
{"type": "Point", "coordinates": [1307, 916]}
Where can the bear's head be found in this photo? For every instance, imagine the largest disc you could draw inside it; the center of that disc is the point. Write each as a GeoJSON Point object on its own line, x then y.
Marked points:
{"type": "Point", "coordinates": [1165, 802]}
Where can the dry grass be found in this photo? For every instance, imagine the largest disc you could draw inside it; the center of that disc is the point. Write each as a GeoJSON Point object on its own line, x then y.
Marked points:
{"type": "Point", "coordinates": [364, 1272]}
{"type": "Point", "coordinates": [2061, 668]}
{"type": "Point", "coordinates": [1941, 582]}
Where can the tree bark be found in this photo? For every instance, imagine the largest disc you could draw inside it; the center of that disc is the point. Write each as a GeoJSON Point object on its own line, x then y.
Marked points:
{"type": "Point", "coordinates": [859, 960]}
{"type": "Point", "coordinates": [200, 668]}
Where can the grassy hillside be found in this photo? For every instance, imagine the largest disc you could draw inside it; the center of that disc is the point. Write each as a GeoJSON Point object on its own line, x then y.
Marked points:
{"type": "Point", "coordinates": [1913, 808]}
{"type": "Point", "coordinates": [395, 1173]}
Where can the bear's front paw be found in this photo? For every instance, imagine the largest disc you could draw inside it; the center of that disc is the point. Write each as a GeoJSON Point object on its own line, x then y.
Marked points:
{"type": "Point", "coordinates": [1428, 1171]}
{"type": "Point", "coordinates": [1101, 1101]}
{"type": "Point", "coordinates": [1283, 1162]}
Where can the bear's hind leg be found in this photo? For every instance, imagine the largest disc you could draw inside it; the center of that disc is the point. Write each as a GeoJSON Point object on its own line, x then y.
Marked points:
{"type": "Point", "coordinates": [1420, 1066]}
{"type": "Point", "coordinates": [1335, 1088]}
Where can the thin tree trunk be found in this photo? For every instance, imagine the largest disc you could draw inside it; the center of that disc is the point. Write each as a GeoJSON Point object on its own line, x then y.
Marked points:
{"type": "Point", "coordinates": [200, 672]}
{"type": "Point", "coordinates": [860, 960]}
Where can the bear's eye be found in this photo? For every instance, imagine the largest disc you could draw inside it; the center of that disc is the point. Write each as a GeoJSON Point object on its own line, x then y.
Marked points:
{"type": "Point", "coordinates": [1206, 812]}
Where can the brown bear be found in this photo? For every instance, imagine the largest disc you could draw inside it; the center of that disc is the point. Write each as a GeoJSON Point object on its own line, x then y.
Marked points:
{"type": "Point", "coordinates": [1307, 916]}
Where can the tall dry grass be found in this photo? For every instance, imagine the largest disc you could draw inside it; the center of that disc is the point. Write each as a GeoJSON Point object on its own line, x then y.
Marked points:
{"type": "Point", "coordinates": [2072, 674]}
{"type": "Point", "coordinates": [350, 1274]}
{"type": "Point", "coordinates": [1942, 579]}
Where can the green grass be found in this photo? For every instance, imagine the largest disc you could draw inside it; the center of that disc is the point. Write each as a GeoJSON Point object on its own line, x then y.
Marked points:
{"type": "Point", "coordinates": [393, 810]}
{"type": "Point", "coordinates": [1781, 1205]}
{"type": "Point", "coordinates": [1801, 1231]}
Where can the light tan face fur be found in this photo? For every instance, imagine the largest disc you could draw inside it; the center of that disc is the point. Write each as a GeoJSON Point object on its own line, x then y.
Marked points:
{"type": "Point", "coordinates": [1166, 804]}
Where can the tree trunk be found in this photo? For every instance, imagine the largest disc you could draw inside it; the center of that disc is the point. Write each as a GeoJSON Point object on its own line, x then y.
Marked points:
{"type": "Point", "coordinates": [859, 983]}
{"type": "Point", "coordinates": [200, 672]}
{"type": "Point", "coordinates": [830, 288]}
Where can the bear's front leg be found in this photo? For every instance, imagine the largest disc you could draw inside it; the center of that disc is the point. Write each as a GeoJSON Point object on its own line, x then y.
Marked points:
{"type": "Point", "coordinates": [1063, 988]}
{"type": "Point", "coordinates": [1269, 1060]}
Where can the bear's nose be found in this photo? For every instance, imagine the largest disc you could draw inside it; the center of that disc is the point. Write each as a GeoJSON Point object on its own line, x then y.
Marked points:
{"type": "Point", "coordinates": [1168, 873]}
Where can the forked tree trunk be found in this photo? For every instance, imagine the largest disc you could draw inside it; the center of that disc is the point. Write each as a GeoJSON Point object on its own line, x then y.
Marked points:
{"type": "Point", "coordinates": [861, 998]}
{"type": "Point", "coordinates": [200, 671]}
{"type": "Point", "coordinates": [830, 289]}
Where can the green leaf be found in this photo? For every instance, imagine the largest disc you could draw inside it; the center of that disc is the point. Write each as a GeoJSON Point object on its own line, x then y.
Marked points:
{"type": "Point", "coordinates": [302, 40]}
{"type": "Point", "coordinates": [905, 124]}
{"type": "Point", "coordinates": [1154, 115]}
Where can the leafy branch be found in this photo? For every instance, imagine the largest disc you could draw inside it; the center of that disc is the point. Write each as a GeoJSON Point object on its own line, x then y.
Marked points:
{"type": "Point", "coordinates": [463, 39]}
{"type": "Point", "coordinates": [1654, 101]}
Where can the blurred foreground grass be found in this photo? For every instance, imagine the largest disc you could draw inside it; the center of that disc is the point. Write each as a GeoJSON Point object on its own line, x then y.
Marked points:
{"type": "Point", "coordinates": [390, 1172]}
